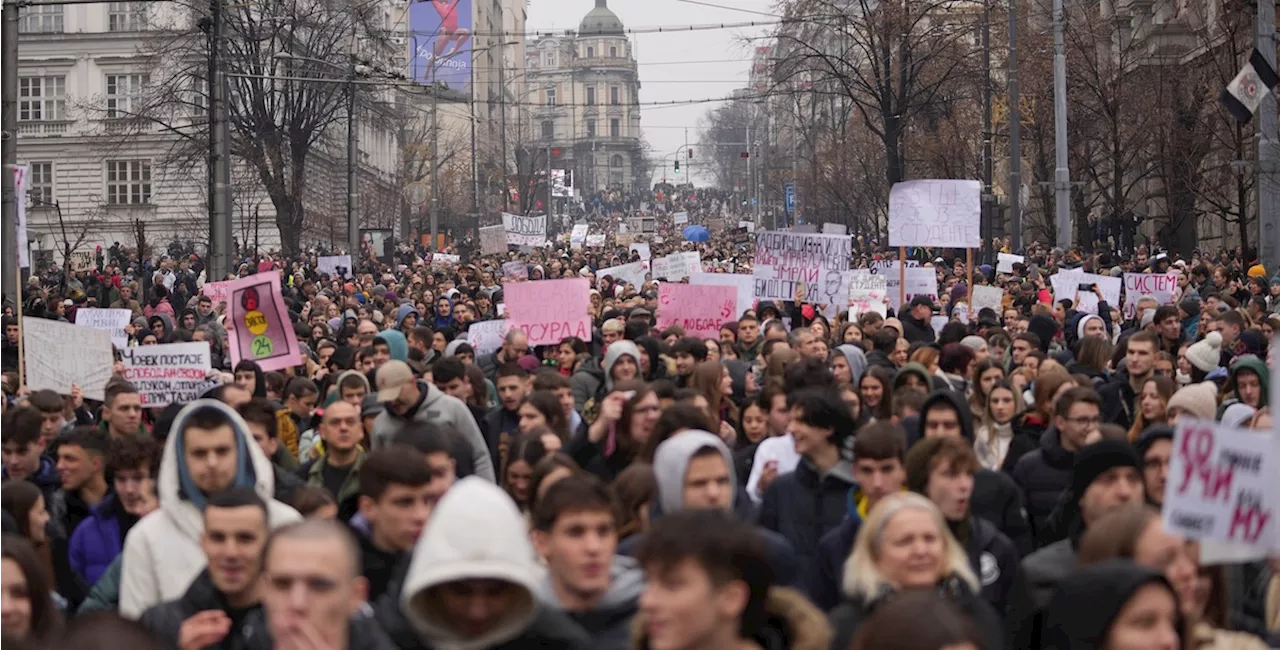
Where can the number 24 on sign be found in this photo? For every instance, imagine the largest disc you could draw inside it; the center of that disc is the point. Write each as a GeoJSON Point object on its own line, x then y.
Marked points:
{"type": "Point", "coordinates": [1249, 517]}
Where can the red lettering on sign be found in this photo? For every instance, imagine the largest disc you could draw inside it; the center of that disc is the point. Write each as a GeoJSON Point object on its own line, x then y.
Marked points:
{"type": "Point", "coordinates": [1197, 453]}
{"type": "Point", "coordinates": [1248, 521]}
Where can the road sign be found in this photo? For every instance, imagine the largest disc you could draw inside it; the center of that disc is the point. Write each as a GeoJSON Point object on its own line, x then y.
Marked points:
{"type": "Point", "coordinates": [791, 196]}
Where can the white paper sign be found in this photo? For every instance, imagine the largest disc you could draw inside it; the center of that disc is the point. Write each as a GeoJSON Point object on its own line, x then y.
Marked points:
{"type": "Point", "coordinates": [921, 281]}
{"type": "Point", "coordinates": [486, 336]}
{"type": "Point", "coordinates": [935, 213]}
{"type": "Point", "coordinates": [641, 249]}
{"type": "Point", "coordinates": [443, 259]}
{"type": "Point", "coordinates": [524, 231]}
{"type": "Point", "coordinates": [784, 260]}
{"type": "Point", "coordinates": [745, 284]}
{"type": "Point", "coordinates": [633, 273]}
{"type": "Point", "coordinates": [677, 266]}
{"type": "Point", "coordinates": [595, 240]}
{"type": "Point", "coordinates": [1161, 286]}
{"type": "Point", "coordinates": [835, 229]}
{"type": "Point", "coordinates": [334, 266]}
{"type": "Point", "coordinates": [493, 240]}
{"type": "Point", "coordinates": [578, 238]}
{"type": "Point", "coordinates": [112, 320]}
{"type": "Point", "coordinates": [1066, 286]}
{"type": "Point", "coordinates": [750, 226]}
{"type": "Point", "coordinates": [60, 354]}
{"type": "Point", "coordinates": [1005, 262]}
{"type": "Point", "coordinates": [867, 293]}
{"type": "Point", "coordinates": [988, 297]}
{"type": "Point", "coordinates": [938, 322]}
{"type": "Point", "coordinates": [680, 218]}
{"type": "Point", "coordinates": [168, 373]}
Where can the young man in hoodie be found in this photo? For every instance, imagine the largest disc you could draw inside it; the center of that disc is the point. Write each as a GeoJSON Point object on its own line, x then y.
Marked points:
{"type": "Point", "coordinates": [409, 399]}
{"type": "Point", "coordinates": [472, 580]}
{"type": "Point", "coordinates": [224, 602]}
{"type": "Point", "coordinates": [23, 450]}
{"type": "Point", "coordinates": [209, 449]}
{"type": "Point", "coordinates": [575, 531]}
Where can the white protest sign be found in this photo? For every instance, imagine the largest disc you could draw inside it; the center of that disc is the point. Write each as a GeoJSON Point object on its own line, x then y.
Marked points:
{"type": "Point", "coordinates": [750, 226]}
{"type": "Point", "coordinates": [1005, 262]}
{"type": "Point", "coordinates": [938, 322]}
{"type": "Point", "coordinates": [987, 297]}
{"type": "Point", "coordinates": [884, 266]}
{"type": "Point", "coordinates": [596, 240]}
{"type": "Point", "coordinates": [935, 213]}
{"type": "Point", "coordinates": [515, 270]}
{"type": "Point", "coordinates": [641, 249]}
{"type": "Point", "coordinates": [486, 336]}
{"type": "Point", "coordinates": [524, 231]}
{"type": "Point", "coordinates": [334, 266]}
{"type": "Point", "coordinates": [1161, 286]}
{"type": "Point", "coordinates": [1066, 286]}
{"type": "Point", "coordinates": [867, 293]}
{"type": "Point", "coordinates": [578, 238]}
{"type": "Point", "coordinates": [442, 259]}
{"type": "Point", "coordinates": [632, 273]}
{"type": "Point", "coordinates": [921, 281]}
{"type": "Point", "coordinates": [168, 373]}
{"type": "Point", "coordinates": [835, 229]}
{"type": "Point", "coordinates": [493, 240]}
{"type": "Point", "coordinates": [745, 285]}
{"type": "Point", "coordinates": [677, 266]}
{"type": "Point", "coordinates": [1224, 485]}
{"type": "Point", "coordinates": [784, 260]}
{"type": "Point", "coordinates": [680, 218]}
{"type": "Point", "coordinates": [112, 320]}
{"type": "Point", "coordinates": [60, 354]}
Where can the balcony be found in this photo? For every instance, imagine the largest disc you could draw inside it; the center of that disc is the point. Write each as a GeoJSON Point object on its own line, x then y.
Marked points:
{"type": "Point", "coordinates": [617, 63]}
{"type": "Point", "coordinates": [43, 129]}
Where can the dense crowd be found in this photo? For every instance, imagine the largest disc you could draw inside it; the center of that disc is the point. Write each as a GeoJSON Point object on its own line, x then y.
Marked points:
{"type": "Point", "coordinates": [799, 482]}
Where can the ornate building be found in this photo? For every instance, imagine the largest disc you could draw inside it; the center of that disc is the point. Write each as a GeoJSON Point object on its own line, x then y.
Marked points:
{"type": "Point", "coordinates": [584, 95]}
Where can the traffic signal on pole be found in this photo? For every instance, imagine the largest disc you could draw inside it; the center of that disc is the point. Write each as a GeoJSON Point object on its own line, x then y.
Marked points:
{"type": "Point", "coordinates": [691, 152]}
{"type": "Point", "coordinates": [677, 165]}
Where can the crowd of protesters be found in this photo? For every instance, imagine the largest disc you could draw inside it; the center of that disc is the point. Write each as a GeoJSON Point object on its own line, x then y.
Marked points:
{"type": "Point", "coordinates": [803, 482]}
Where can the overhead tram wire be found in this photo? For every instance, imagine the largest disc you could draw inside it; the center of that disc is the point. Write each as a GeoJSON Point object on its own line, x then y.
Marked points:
{"type": "Point", "coordinates": [661, 29]}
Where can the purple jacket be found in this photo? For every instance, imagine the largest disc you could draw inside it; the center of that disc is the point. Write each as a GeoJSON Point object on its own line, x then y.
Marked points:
{"type": "Point", "coordinates": [97, 540]}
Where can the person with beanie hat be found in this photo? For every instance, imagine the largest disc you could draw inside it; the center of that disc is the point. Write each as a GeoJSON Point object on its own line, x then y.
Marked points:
{"type": "Point", "coordinates": [1155, 448]}
{"type": "Point", "coordinates": [943, 470]}
{"type": "Point", "coordinates": [1190, 308]}
{"type": "Point", "coordinates": [1096, 599]}
{"type": "Point", "coordinates": [1199, 400]}
{"type": "Point", "coordinates": [1105, 477]}
{"type": "Point", "coordinates": [1248, 383]}
{"type": "Point", "coordinates": [1204, 356]}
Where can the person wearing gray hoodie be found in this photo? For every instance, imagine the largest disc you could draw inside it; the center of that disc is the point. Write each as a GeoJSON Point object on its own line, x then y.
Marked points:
{"type": "Point", "coordinates": [575, 530]}
{"type": "Point", "coordinates": [409, 399]}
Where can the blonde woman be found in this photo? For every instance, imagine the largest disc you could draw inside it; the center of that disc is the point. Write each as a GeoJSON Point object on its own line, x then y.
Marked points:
{"type": "Point", "coordinates": [905, 544]}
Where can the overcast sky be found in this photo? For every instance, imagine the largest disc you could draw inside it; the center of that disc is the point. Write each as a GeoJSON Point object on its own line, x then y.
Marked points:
{"type": "Point", "coordinates": [677, 66]}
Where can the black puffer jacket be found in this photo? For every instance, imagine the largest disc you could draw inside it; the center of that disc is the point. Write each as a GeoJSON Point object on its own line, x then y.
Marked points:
{"type": "Point", "coordinates": [164, 621]}
{"type": "Point", "coordinates": [1042, 476]}
{"type": "Point", "coordinates": [803, 506]}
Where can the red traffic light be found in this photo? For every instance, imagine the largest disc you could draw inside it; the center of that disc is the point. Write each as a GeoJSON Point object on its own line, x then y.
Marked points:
{"type": "Point", "coordinates": [745, 154]}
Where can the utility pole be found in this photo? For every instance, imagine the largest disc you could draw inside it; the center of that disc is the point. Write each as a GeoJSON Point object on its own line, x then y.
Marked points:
{"type": "Point", "coordinates": [687, 160]}
{"type": "Point", "coordinates": [1061, 174]}
{"type": "Point", "coordinates": [1015, 134]}
{"type": "Point", "coordinates": [988, 198]}
{"type": "Point", "coordinates": [219, 151]}
{"type": "Point", "coordinates": [9, 155]}
{"type": "Point", "coordinates": [353, 152]}
{"type": "Point", "coordinates": [551, 206]}
{"type": "Point", "coordinates": [1268, 159]}
{"type": "Point", "coordinates": [435, 162]}
{"type": "Point", "coordinates": [502, 106]}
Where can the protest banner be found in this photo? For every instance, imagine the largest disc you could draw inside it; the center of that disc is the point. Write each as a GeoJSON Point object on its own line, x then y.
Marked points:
{"type": "Point", "coordinates": [938, 322]}
{"type": "Point", "coordinates": [60, 354]}
{"type": "Point", "coordinates": [988, 297]}
{"type": "Point", "coordinates": [1005, 262]}
{"type": "Point", "coordinates": [743, 285]}
{"type": "Point", "coordinates": [783, 260]}
{"type": "Point", "coordinates": [889, 266]}
{"type": "Point", "coordinates": [82, 261]}
{"type": "Point", "coordinates": [168, 373]}
{"type": "Point", "coordinates": [677, 266]}
{"type": "Point", "coordinates": [867, 293]}
{"type": "Point", "coordinates": [549, 310]}
{"type": "Point", "coordinates": [1161, 286]}
{"type": "Point", "coordinates": [835, 229]}
{"type": "Point", "coordinates": [633, 273]}
{"type": "Point", "coordinates": [258, 324]}
{"type": "Point", "coordinates": [493, 240]}
{"type": "Point", "coordinates": [700, 309]}
{"type": "Point", "coordinates": [680, 218]}
{"type": "Point", "coordinates": [921, 281]}
{"type": "Point", "coordinates": [486, 336]}
{"type": "Point", "coordinates": [217, 291]}
{"type": "Point", "coordinates": [935, 213]}
{"type": "Point", "coordinates": [443, 260]}
{"type": "Point", "coordinates": [334, 266]}
{"type": "Point", "coordinates": [524, 231]}
{"type": "Point", "coordinates": [112, 320]}
{"type": "Point", "coordinates": [515, 270]}
{"type": "Point", "coordinates": [622, 239]}
{"type": "Point", "coordinates": [1066, 286]}
{"type": "Point", "coordinates": [596, 240]}
{"type": "Point", "coordinates": [578, 238]}
{"type": "Point", "coordinates": [749, 226]}
{"type": "Point", "coordinates": [642, 249]}
{"type": "Point", "coordinates": [1224, 485]}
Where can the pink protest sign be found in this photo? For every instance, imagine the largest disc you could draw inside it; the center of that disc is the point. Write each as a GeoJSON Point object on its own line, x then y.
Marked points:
{"type": "Point", "coordinates": [258, 322]}
{"type": "Point", "coordinates": [549, 310]}
{"type": "Point", "coordinates": [217, 291]}
{"type": "Point", "coordinates": [700, 309]}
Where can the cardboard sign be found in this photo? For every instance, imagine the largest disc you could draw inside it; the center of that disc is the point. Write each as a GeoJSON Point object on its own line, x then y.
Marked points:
{"type": "Point", "coordinates": [258, 324]}
{"type": "Point", "coordinates": [680, 218]}
{"type": "Point", "coordinates": [1224, 485]}
{"type": "Point", "coordinates": [112, 320]}
{"type": "Point", "coordinates": [335, 266]}
{"type": "Point", "coordinates": [486, 336]}
{"type": "Point", "coordinates": [989, 297]}
{"type": "Point", "coordinates": [633, 273]}
{"type": "Point", "coordinates": [677, 266]}
{"type": "Point", "coordinates": [743, 285]}
{"type": "Point", "coordinates": [935, 213]}
{"type": "Point", "coordinates": [1161, 286]}
{"type": "Point", "coordinates": [784, 260]}
{"type": "Point", "coordinates": [867, 293]}
{"type": "Point", "coordinates": [596, 240]}
{"type": "Point", "coordinates": [524, 231]}
{"type": "Point", "coordinates": [578, 238]}
{"type": "Point", "coordinates": [60, 354]}
{"type": "Point", "coordinates": [1005, 262]}
{"type": "Point", "coordinates": [550, 310]}
{"type": "Point", "coordinates": [642, 249]}
{"type": "Point", "coordinates": [493, 240]}
{"type": "Point", "coordinates": [699, 309]}
{"type": "Point", "coordinates": [515, 270]}
{"type": "Point", "coordinates": [168, 373]}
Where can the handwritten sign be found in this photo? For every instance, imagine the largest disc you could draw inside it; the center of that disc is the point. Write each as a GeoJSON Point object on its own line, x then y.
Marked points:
{"type": "Point", "coordinates": [749, 226]}
{"type": "Point", "coordinates": [578, 238]}
{"type": "Point", "coordinates": [937, 323]}
{"type": "Point", "coordinates": [524, 231]}
{"type": "Point", "coordinates": [596, 240]}
{"type": "Point", "coordinates": [441, 260]}
{"type": "Point", "coordinates": [935, 213]}
{"type": "Point", "coordinates": [515, 271]}
{"type": "Point", "coordinates": [260, 327]}
{"type": "Point", "coordinates": [1066, 286]}
{"type": "Point", "coordinates": [169, 373]}
{"type": "Point", "coordinates": [921, 281]}
{"type": "Point", "coordinates": [493, 240]}
{"type": "Point", "coordinates": [1005, 262]}
{"type": "Point", "coordinates": [335, 266]}
{"type": "Point", "coordinates": [1161, 286]}
{"type": "Point", "coordinates": [633, 273]}
{"type": "Point", "coordinates": [867, 293]}
{"type": "Point", "coordinates": [835, 229]}
{"type": "Point", "coordinates": [785, 260]}
{"type": "Point", "coordinates": [987, 297]}
{"type": "Point", "coordinates": [680, 218]}
{"type": "Point", "coordinates": [677, 266]}
{"type": "Point", "coordinates": [641, 249]}
{"type": "Point", "coordinates": [1224, 485]}
{"type": "Point", "coordinates": [486, 336]}
{"type": "Point", "coordinates": [743, 285]}
{"type": "Point", "coordinates": [60, 354]}
{"type": "Point", "coordinates": [217, 291]}
{"type": "Point", "coordinates": [112, 320]}
{"type": "Point", "coordinates": [699, 309]}
{"type": "Point", "coordinates": [890, 266]}
{"type": "Point", "coordinates": [550, 310]}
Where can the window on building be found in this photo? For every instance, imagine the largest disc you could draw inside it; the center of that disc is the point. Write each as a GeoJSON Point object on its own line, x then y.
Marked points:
{"type": "Point", "coordinates": [615, 95]}
{"type": "Point", "coordinates": [591, 52]}
{"type": "Point", "coordinates": [551, 97]}
{"type": "Point", "coordinates": [613, 52]}
{"type": "Point", "coordinates": [615, 179]}
{"type": "Point", "coordinates": [40, 19]}
{"type": "Point", "coordinates": [199, 94]}
{"type": "Point", "coordinates": [40, 184]}
{"type": "Point", "coordinates": [128, 182]}
{"type": "Point", "coordinates": [616, 161]}
{"type": "Point", "coordinates": [126, 16]}
{"type": "Point", "coordinates": [124, 93]}
{"type": "Point", "coordinates": [550, 59]}
{"type": "Point", "coordinates": [615, 127]}
{"type": "Point", "coordinates": [41, 99]}
{"type": "Point", "coordinates": [591, 128]}
{"type": "Point", "coordinates": [591, 96]}
{"type": "Point", "coordinates": [548, 129]}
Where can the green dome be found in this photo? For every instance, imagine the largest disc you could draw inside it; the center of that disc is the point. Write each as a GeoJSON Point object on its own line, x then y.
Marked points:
{"type": "Point", "coordinates": [600, 20]}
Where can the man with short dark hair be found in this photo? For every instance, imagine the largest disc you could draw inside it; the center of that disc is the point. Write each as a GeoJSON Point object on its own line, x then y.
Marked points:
{"type": "Point", "coordinates": [395, 483]}
{"type": "Point", "coordinates": [23, 450]}
{"type": "Point", "coordinates": [133, 463]}
{"type": "Point", "coordinates": [337, 470]}
{"type": "Point", "coordinates": [1043, 474]}
{"type": "Point", "coordinates": [1120, 395]}
{"type": "Point", "coordinates": [122, 409]}
{"type": "Point", "coordinates": [450, 376]}
{"type": "Point", "coordinates": [883, 344]}
{"type": "Point", "coordinates": [503, 421]}
{"type": "Point", "coordinates": [261, 420]}
{"type": "Point", "coordinates": [749, 338]}
{"type": "Point", "coordinates": [82, 469]}
{"type": "Point", "coordinates": [688, 352]}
